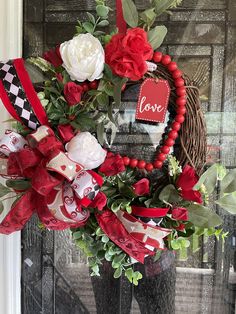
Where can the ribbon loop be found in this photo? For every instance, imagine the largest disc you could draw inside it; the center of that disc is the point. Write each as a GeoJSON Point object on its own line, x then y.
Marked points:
{"type": "Point", "coordinates": [47, 165]}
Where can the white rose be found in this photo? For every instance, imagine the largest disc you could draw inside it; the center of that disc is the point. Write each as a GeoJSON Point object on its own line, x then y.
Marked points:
{"type": "Point", "coordinates": [85, 149]}
{"type": "Point", "coordinates": [83, 57]}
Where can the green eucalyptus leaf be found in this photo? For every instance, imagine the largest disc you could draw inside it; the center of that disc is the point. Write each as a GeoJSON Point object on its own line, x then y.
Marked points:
{"type": "Point", "coordinates": [228, 184]}
{"type": "Point", "coordinates": [162, 6]}
{"type": "Point", "coordinates": [91, 18]}
{"type": "Point", "coordinates": [228, 202]}
{"type": "Point", "coordinates": [102, 10]}
{"type": "Point", "coordinates": [156, 36]}
{"type": "Point", "coordinates": [118, 272]}
{"type": "Point", "coordinates": [129, 274]}
{"type": "Point", "coordinates": [109, 89]}
{"type": "Point", "coordinates": [88, 27]}
{"type": "Point", "coordinates": [169, 194]}
{"type": "Point", "coordinates": [130, 13]}
{"type": "Point", "coordinates": [103, 99]}
{"type": "Point", "coordinates": [119, 258]}
{"type": "Point", "coordinates": [108, 257]}
{"type": "Point", "coordinates": [103, 23]}
{"type": "Point", "coordinates": [175, 245]}
{"type": "Point", "coordinates": [105, 239]}
{"type": "Point", "coordinates": [79, 29]}
{"type": "Point", "coordinates": [202, 216]}
{"type": "Point", "coordinates": [4, 190]}
{"type": "Point", "coordinates": [209, 179]}
{"type": "Point", "coordinates": [148, 16]}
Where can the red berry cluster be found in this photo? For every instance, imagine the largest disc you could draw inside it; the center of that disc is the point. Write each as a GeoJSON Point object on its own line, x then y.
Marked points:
{"type": "Point", "coordinates": [89, 85]}
{"type": "Point", "coordinates": [179, 82]}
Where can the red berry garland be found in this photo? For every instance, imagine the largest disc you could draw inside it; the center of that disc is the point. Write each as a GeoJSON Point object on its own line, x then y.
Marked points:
{"type": "Point", "coordinates": [181, 101]}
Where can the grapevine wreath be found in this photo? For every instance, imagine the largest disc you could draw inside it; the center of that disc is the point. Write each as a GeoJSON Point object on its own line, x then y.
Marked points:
{"type": "Point", "coordinates": [54, 162]}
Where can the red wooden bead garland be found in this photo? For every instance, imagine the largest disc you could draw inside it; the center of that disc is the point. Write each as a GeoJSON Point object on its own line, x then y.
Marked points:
{"type": "Point", "coordinates": [141, 164]}
{"type": "Point", "coordinates": [126, 160]}
{"type": "Point", "coordinates": [181, 101]}
{"type": "Point", "coordinates": [133, 163]}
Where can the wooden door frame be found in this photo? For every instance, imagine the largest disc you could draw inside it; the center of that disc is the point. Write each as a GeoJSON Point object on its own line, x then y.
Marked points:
{"type": "Point", "coordinates": [11, 30]}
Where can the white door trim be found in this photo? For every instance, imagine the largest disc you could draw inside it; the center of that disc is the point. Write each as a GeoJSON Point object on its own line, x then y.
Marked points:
{"type": "Point", "coordinates": [10, 246]}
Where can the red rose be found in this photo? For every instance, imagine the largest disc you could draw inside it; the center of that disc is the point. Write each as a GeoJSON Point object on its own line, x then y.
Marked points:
{"type": "Point", "coordinates": [99, 202]}
{"type": "Point", "coordinates": [137, 42]}
{"type": "Point", "coordinates": [180, 213]}
{"type": "Point", "coordinates": [127, 54]}
{"type": "Point", "coordinates": [66, 132]}
{"type": "Point", "coordinates": [112, 165]}
{"type": "Point", "coordinates": [73, 93]}
{"type": "Point", "coordinates": [128, 65]}
{"type": "Point", "coordinates": [53, 56]}
{"type": "Point", "coordinates": [180, 227]}
{"type": "Point", "coordinates": [186, 181]}
{"type": "Point", "coordinates": [141, 187]}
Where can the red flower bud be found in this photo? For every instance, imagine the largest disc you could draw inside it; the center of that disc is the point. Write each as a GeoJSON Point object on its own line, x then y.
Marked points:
{"type": "Point", "coordinates": [180, 213]}
{"type": "Point", "coordinates": [73, 93]}
{"type": "Point", "coordinates": [141, 187]}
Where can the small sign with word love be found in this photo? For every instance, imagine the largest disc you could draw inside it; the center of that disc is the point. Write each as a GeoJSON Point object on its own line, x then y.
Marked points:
{"type": "Point", "coordinates": [153, 100]}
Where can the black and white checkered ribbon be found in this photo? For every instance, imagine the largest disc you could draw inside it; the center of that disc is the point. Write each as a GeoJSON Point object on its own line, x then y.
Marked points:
{"type": "Point", "coordinates": [17, 95]}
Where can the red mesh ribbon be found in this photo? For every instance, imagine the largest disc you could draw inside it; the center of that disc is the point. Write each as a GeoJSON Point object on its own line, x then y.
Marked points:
{"type": "Point", "coordinates": [120, 21]}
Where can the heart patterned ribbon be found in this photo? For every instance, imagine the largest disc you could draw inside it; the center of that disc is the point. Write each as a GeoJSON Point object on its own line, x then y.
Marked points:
{"type": "Point", "coordinates": [136, 238]}
{"type": "Point", "coordinates": [60, 188]}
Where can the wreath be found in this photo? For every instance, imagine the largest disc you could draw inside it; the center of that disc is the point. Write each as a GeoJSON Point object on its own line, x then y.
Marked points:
{"type": "Point", "coordinates": [119, 208]}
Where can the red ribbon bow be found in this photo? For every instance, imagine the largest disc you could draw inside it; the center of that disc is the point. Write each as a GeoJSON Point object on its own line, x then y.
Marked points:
{"type": "Point", "coordinates": [60, 188]}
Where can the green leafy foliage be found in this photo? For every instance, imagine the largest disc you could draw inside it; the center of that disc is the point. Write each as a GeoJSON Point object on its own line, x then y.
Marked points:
{"type": "Point", "coordinates": [148, 16]}
{"type": "Point", "coordinates": [133, 276]}
{"type": "Point", "coordinates": [210, 177]}
{"type": "Point", "coordinates": [180, 243]}
{"type": "Point", "coordinates": [203, 217]}
{"type": "Point", "coordinates": [169, 194]}
{"type": "Point", "coordinates": [162, 6]}
{"type": "Point", "coordinates": [228, 184]}
{"type": "Point", "coordinates": [228, 202]}
{"type": "Point", "coordinates": [130, 13]}
{"type": "Point", "coordinates": [156, 36]}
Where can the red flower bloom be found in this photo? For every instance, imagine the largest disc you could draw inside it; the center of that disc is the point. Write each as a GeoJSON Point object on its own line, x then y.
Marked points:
{"type": "Point", "coordinates": [112, 165]}
{"type": "Point", "coordinates": [53, 56]}
{"type": "Point", "coordinates": [180, 213]}
{"type": "Point", "coordinates": [73, 93]}
{"type": "Point", "coordinates": [180, 227]}
{"type": "Point", "coordinates": [127, 54]}
{"type": "Point", "coordinates": [186, 181]}
{"type": "Point", "coordinates": [66, 132]}
{"type": "Point", "coordinates": [99, 202]}
{"type": "Point", "coordinates": [136, 41]}
{"type": "Point", "coordinates": [141, 187]}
